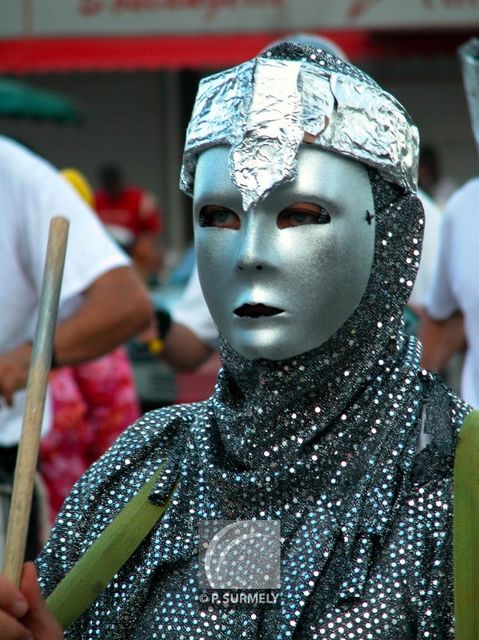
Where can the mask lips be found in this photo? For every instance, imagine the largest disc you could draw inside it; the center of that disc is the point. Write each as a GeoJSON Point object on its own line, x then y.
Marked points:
{"type": "Point", "coordinates": [257, 311]}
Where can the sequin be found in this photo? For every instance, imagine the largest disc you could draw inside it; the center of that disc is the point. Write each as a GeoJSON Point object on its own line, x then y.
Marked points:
{"type": "Point", "coordinates": [365, 508]}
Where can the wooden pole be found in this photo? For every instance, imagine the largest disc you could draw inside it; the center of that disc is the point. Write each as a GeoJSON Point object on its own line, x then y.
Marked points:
{"type": "Point", "coordinates": [35, 401]}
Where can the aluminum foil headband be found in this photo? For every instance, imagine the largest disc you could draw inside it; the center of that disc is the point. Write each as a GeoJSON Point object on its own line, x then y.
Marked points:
{"type": "Point", "coordinates": [469, 56]}
{"type": "Point", "coordinates": [265, 108]}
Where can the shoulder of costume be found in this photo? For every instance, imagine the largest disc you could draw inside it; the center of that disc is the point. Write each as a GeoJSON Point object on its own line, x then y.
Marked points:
{"type": "Point", "coordinates": [442, 418]}
{"type": "Point", "coordinates": [155, 439]}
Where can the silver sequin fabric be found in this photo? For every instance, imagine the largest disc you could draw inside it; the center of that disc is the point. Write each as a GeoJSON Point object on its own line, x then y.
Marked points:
{"type": "Point", "coordinates": [328, 444]}
{"type": "Point", "coordinates": [350, 446]}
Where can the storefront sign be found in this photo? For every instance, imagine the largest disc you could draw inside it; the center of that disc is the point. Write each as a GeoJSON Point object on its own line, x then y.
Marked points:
{"type": "Point", "coordinates": [155, 17]}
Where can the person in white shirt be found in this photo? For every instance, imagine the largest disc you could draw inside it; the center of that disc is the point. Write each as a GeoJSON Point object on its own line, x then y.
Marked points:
{"type": "Point", "coordinates": [102, 302]}
{"type": "Point", "coordinates": [453, 304]}
{"type": "Point", "coordinates": [452, 321]}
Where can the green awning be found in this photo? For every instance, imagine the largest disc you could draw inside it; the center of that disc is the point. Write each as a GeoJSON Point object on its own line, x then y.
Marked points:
{"type": "Point", "coordinates": [19, 100]}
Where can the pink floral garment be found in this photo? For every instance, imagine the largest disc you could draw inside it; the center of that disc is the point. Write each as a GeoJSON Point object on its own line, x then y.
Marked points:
{"type": "Point", "coordinates": [92, 404]}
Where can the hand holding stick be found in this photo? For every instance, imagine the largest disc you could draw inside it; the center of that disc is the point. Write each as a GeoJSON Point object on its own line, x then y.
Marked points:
{"type": "Point", "coordinates": [35, 401]}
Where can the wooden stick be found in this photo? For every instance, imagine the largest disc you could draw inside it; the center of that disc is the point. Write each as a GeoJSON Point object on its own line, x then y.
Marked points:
{"type": "Point", "coordinates": [35, 401]}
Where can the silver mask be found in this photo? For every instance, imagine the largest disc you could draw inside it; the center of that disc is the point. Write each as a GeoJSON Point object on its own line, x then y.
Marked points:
{"type": "Point", "coordinates": [279, 281]}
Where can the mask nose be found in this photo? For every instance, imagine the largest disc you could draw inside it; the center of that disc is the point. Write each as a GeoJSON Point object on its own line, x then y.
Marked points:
{"type": "Point", "coordinates": [252, 254]}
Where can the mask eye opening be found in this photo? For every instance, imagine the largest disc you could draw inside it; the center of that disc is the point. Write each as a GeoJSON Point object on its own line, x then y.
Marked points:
{"type": "Point", "coordinates": [301, 215]}
{"type": "Point", "coordinates": [218, 217]}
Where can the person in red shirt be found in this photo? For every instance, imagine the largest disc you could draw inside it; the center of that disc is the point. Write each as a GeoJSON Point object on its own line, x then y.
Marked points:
{"type": "Point", "coordinates": [132, 217]}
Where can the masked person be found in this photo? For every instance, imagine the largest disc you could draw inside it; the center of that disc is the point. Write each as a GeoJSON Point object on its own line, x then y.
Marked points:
{"type": "Point", "coordinates": [308, 234]}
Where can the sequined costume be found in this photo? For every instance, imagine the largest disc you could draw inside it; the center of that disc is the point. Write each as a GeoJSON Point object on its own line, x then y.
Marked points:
{"type": "Point", "coordinates": [349, 445]}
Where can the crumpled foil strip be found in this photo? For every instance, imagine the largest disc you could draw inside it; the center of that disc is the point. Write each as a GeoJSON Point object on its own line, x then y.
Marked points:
{"type": "Point", "coordinates": [265, 156]}
{"type": "Point", "coordinates": [265, 108]}
{"type": "Point", "coordinates": [469, 56]}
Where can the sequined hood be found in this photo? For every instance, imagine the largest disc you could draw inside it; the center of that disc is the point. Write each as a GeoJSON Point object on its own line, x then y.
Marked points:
{"type": "Point", "coordinates": [373, 333]}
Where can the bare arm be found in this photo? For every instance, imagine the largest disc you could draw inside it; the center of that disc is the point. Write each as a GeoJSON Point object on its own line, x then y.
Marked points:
{"type": "Point", "coordinates": [441, 339]}
{"type": "Point", "coordinates": [184, 351]}
{"type": "Point", "coordinates": [114, 308]}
